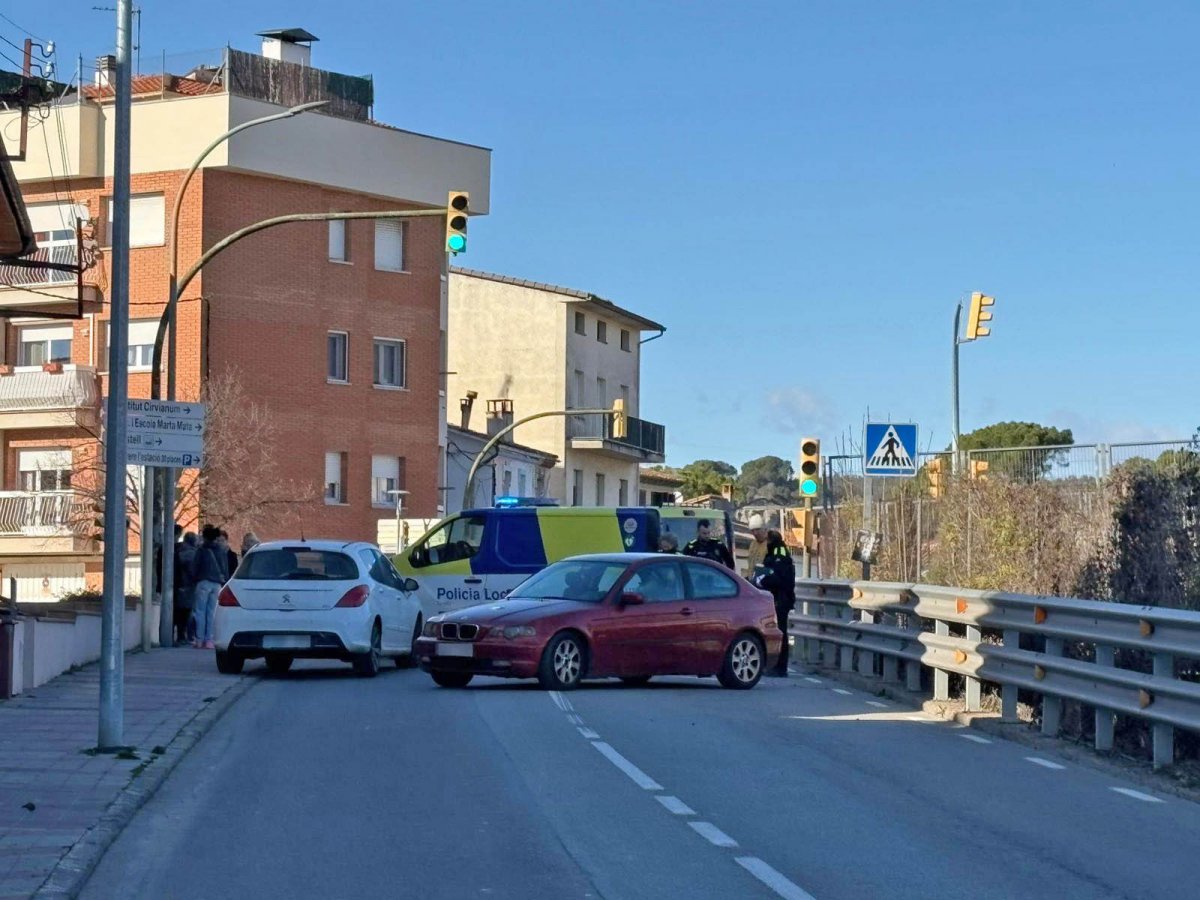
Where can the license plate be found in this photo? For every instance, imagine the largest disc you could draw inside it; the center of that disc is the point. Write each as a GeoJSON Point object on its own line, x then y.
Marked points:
{"type": "Point", "coordinates": [286, 641]}
{"type": "Point", "coordinates": [444, 649]}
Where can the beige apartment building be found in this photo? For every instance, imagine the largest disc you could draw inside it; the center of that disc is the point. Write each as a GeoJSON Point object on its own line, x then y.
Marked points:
{"type": "Point", "coordinates": [541, 347]}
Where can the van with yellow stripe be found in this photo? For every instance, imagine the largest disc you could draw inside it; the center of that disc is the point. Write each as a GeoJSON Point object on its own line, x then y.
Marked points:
{"type": "Point", "coordinates": [479, 555]}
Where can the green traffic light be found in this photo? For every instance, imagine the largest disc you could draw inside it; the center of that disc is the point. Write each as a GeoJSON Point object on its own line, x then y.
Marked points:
{"type": "Point", "coordinates": [456, 243]}
{"type": "Point", "coordinates": [808, 487]}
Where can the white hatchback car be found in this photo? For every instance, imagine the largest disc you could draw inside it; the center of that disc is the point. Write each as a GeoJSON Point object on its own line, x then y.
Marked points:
{"type": "Point", "coordinates": [316, 600]}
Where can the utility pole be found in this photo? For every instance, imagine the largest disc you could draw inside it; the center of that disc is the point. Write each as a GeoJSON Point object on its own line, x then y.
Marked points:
{"type": "Point", "coordinates": [112, 657]}
{"type": "Point", "coordinates": [954, 432]}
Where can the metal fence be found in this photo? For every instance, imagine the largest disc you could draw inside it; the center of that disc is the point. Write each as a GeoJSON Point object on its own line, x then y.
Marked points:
{"type": "Point", "coordinates": [1057, 648]}
{"type": "Point", "coordinates": [36, 514]}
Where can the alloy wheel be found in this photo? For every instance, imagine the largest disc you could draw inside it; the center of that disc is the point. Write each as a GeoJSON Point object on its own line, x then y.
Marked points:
{"type": "Point", "coordinates": [747, 660]}
{"type": "Point", "coordinates": [568, 661]}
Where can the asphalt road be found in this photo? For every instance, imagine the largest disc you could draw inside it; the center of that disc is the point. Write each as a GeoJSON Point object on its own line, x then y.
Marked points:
{"type": "Point", "coordinates": [320, 784]}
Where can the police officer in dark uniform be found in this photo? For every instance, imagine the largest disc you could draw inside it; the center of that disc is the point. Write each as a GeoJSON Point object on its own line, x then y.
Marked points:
{"type": "Point", "coordinates": [706, 546]}
{"type": "Point", "coordinates": [778, 575]}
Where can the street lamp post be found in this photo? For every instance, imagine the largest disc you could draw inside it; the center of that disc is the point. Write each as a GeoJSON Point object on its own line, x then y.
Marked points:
{"type": "Point", "coordinates": [399, 495]}
{"type": "Point", "coordinates": [166, 329]}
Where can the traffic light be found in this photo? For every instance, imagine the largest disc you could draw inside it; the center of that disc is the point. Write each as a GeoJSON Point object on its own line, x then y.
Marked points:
{"type": "Point", "coordinates": [620, 422]}
{"type": "Point", "coordinates": [978, 315]}
{"type": "Point", "coordinates": [458, 210]}
{"type": "Point", "coordinates": [804, 532]}
{"type": "Point", "coordinates": [933, 470]}
{"type": "Point", "coordinates": [979, 469]}
{"type": "Point", "coordinates": [727, 490]}
{"type": "Point", "coordinates": [810, 467]}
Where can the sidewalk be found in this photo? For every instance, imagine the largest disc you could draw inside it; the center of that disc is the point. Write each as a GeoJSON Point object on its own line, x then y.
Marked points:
{"type": "Point", "coordinates": [80, 801]}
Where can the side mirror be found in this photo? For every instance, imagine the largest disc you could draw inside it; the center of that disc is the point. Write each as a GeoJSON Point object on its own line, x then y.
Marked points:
{"type": "Point", "coordinates": [631, 599]}
{"type": "Point", "coordinates": [409, 585]}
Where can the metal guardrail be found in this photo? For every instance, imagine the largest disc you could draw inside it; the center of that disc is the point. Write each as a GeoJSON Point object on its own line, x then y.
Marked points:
{"type": "Point", "coordinates": [859, 624]}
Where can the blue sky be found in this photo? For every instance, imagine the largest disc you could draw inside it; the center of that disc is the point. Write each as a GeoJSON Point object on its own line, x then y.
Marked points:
{"type": "Point", "coordinates": [801, 191]}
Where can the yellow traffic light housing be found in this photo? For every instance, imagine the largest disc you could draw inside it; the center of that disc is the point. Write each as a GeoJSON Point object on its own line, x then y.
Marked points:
{"type": "Point", "coordinates": [933, 469]}
{"type": "Point", "coordinates": [979, 469]}
{"type": "Point", "coordinates": [804, 532]}
{"type": "Point", "coordinates": [458, 210]}
{"type": "Point", "coordinates": [810, 467]}
{"type": "Point", "coordinates": [978, 315]}
{"type": "Point", "coordinates": [620, 421]}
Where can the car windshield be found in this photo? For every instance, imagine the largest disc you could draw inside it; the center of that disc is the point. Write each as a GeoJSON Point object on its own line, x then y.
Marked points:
{"type": "Point", "coordinates": [296, 564]}
{"type": "Point", "coordinates": [587, 581]}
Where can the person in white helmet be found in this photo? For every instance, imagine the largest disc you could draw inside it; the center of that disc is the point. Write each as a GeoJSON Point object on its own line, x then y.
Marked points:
{"type": "Point", "coordinates": [758, 547]}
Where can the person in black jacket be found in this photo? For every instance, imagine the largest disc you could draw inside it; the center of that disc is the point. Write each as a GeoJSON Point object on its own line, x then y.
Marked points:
{"type": "Point", "coordinates": [778, 575]}
{"type": "Point", "coordinates": [706, 546]}
{"type": "Point", "coordinates": [210, 571]}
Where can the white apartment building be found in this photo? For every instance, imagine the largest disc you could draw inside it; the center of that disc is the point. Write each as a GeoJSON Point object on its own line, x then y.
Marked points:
{"type": "Point", "coordinates": [543, 348]}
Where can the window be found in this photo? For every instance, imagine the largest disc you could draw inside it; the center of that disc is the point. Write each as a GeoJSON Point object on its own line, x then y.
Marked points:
{"type": "Point", "coordinates": [147, 220]}
{"type": "Point", "coordinates": [625, 340]}
{"type": "Point", "coordinates": [658, 583]}
{"type": "Point", "coordinates": [601, 393]}
{"type": "Point", "coordinates": [142, 333]}
{"type": "Point", "coordinates": [625, 397]}
{"type": "Point", "coordinates": [708, 583]}
{"type": "Point", "coordinates": [45, 344]}
{"type": "Point", "coordinates": [339, 240]}
{"type": "Point", "coordinates": [54, 231]}
{"type": "Point", "coordinates": [335, 486]}
{"type": "Point", "coordinates": [584, 581]}
{"type": "Point", "coordinates": [580, 323]}
{"type": "Point", "coordinates": [577, 487]}
{"type": "Point", "coordinates": [506, 491]}
{"type": "Point", "coordinates": [522, 484]}
{"type": "Point", "coordinates": [623, 493]}
{"type": "Point", "coordinates": [45, 470]}
{"type": "Point", "coordinates": [387, 475]}
{"type": "Point", "coordinates": [576, 399]}
{"type": "Point", "coordinates": [297, 564]}
{"type": "Point", "coordinates": [338, 344]}
{"type": "Point", "coordinates": [459, 538]}
{"type": "Point", "coordinates": [379, 568]}
{"type": "Point", "coordinates": [602, 331]}
{"type": "Point", "coordinates": [389, 363]}
{"type": "Point", "coordinates": [389, 245]}
{"type": "Point", "coordinates": [599, 488]}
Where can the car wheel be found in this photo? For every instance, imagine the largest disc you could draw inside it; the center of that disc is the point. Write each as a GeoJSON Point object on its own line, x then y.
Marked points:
{"type": "Point", "coordinates": [367, 664]}
{"type": "Point", "coordinates": [410, 661]}
{"type": "Point", "coordinates": [230, 663]}
{"type": "Point", "coordinates": [636, 680]}
{"type": "Point", "coordinates": [564, 662]}
{"type": "Point", "coordinates": [278, 665]}
{"type": "Point", "coordinates": [452, 679]}
{"type": "Point", "coordinates": [743, 663]}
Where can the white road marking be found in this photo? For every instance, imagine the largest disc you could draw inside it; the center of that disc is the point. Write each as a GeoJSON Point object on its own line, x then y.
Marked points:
{"type": "Point", "coordinates": [588, 733]}
{"type": "Point", "coordinates": [974, 737]}
{"type": "Point", "coordinates": [844, 693]}
{"type": "Point", "coordinates": [675, 805]}
{"type": "Point", "coordinates": [575, 720]}
{"type": "Point", "coordinates": [558, 700]}
{"type": "Point", "coordinates": [713, 834]}
{"type": "Point", "coordinates": [878, 704]}
{"type": "Point", "coordinates": [922, 720]}
{"type": "Point", "coordinates": [777, 882]}
{"type": "Point", "coordinates": [815, 680]}
{"type": "Point", "coordinates": [640, 778]}
{"type": "Point", "coordinates": [1044, 763]}
{"type": "Point", "coordinates": [1136, 795]}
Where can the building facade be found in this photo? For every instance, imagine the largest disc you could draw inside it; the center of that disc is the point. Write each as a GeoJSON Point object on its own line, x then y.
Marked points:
{"type": "Point", "coordinates": [321, 341]}
{"type": "Point", "coordinates": [540, 347]}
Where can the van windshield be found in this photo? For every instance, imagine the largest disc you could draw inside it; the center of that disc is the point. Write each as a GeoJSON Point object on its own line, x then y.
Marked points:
{"type": "Point", "coordinates": [460, 538]}
{"type": "Point", "coordinates": [685, 528]}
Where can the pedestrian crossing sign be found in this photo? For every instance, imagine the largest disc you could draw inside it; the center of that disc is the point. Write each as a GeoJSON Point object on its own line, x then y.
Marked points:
{"type": "Point", "coordinates": [890, 450]}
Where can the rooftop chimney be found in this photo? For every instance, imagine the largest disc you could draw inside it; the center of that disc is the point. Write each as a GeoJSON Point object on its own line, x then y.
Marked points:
{"type": "Point", "coordinates": [293, 45]}
{"type": "Point", "coordinates": [465, 405]}
{"type": "Point", "coordinates": [106, 70]}
{"type": "Point", "coordinates": [499, 417]}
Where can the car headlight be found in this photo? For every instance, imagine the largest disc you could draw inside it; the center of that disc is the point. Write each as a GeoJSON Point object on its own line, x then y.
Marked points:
{"type": "Point", "coordinates": [431, 628]}
{"type": "Point", "coordinates": [512, 632]}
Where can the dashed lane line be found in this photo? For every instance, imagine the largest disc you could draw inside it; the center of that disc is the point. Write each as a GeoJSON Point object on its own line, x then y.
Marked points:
{"type": "Point", "coordinates": [1137, 795]}
{"type": "Point", "coordinates": [843, 692]}
{"type": "Point", "coordinates": [1044, 763]}
{"type": "Point", "coordinates": [713, 834]}
{"type": "Point", "coordinates": [773, 879]}
{"type": "Point", "coordinates": [588, 733]}
{"type": "Point", "coordinates": [675, 805]}
{"type": "Point", "coordinates": [640, 778]}
{"type": "Point", "coordinates": [975, 738]}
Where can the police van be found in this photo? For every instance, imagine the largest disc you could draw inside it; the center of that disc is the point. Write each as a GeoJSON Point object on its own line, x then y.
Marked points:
{"type": "Point", "coordinates": [479, 555]}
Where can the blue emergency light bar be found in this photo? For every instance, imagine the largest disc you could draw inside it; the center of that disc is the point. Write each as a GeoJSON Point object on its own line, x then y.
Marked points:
{"type": "Point", "coordinates": [514, 502]}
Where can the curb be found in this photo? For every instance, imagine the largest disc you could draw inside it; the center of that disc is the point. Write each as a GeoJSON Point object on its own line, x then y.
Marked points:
{"type": "Point", "coordinates": [1017, 732]}
{"type": "Point", "coordinates": [71, 872]}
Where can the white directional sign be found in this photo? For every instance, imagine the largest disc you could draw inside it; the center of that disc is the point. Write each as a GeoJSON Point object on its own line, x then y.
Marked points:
{"type": "Point", "coordinates": [164, 433]}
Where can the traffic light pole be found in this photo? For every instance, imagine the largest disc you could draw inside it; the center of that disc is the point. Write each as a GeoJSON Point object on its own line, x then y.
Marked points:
{"type": "Point", "coordinates": [954, 430]}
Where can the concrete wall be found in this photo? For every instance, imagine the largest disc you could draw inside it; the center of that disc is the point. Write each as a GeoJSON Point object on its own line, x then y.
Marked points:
{"type": "Point", "coordinates": [79, 127]}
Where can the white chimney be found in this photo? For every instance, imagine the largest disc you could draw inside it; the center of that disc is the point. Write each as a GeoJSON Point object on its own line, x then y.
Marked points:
{"type": "Point", "coordinates": [293, 45]}
{"type": "Point", "coordinates": [106, 70]}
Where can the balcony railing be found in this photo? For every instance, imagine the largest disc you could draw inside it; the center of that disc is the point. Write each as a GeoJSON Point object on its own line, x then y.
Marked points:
{"type": "Point", "coordinates": [641, 435]}
{"type": "Point", "coordinates": [47, 514]}
{"type": "Point", "coordinates": [34, 275]}
{"type": "Point", "coordinates": [37, 390]}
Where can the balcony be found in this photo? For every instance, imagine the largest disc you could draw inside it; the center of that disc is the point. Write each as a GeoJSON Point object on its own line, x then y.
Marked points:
{"type": "Point", "coordinates": [49, 522]}
{"type": "Point", "coordinates": [34, 286]}
{"type": "Point", "coordinates": [54, 396]}
{"type": "Point", "coordinates": [645, 441]}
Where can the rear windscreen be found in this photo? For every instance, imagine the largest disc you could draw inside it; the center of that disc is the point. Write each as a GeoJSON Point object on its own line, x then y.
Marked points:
{"type": "Point", "coordinates": [286, 564]}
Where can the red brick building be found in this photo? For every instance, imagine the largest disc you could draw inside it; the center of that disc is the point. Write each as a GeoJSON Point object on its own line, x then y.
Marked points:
{"type": "Point", "coordinates": [332, 334]}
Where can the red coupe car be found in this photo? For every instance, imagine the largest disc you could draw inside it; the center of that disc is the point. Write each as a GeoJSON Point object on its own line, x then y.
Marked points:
{"type": "Point", "coordinates": [627, 615]}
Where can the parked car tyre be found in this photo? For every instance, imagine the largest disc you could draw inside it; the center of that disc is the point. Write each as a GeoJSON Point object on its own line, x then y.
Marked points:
{"type": "Point", "coordinates": [410, 661]}
{"type": "Point", "coordinates": [279, 665]}
{"type": "Point", "coordinates": [452, 679]}
{"type": "Point", "coordinates": [745, 661]}
{"type": "Point", "coordinates": [366, 665]}
{"type": "Point", "coordinates": [230, 663]}
{"type": "Point", "coordinates": [564, 662]}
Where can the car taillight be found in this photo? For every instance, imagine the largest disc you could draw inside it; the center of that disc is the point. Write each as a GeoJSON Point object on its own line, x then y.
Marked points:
{"type": "Point", "coordinates": [227, 598]}
{"type": "Point", "coordinates": [356, 596]}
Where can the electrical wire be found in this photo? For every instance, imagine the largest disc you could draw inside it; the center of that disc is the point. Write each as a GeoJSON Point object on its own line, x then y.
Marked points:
{"type": "Point", "coordinates": [19, 28]}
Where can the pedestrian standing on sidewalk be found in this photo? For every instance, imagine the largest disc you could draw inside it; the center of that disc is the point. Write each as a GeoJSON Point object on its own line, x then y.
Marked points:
{"type": "Point", "coordinates": [758, 546]}
{"type": "Point", "coordinates": [209, 570]}
{"type": "Point", "coordinates": [777, 574]}
{"type": "Point", "coordinates": [185, 586]}
{"type": "Point", "coordinates": [231, 558]}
